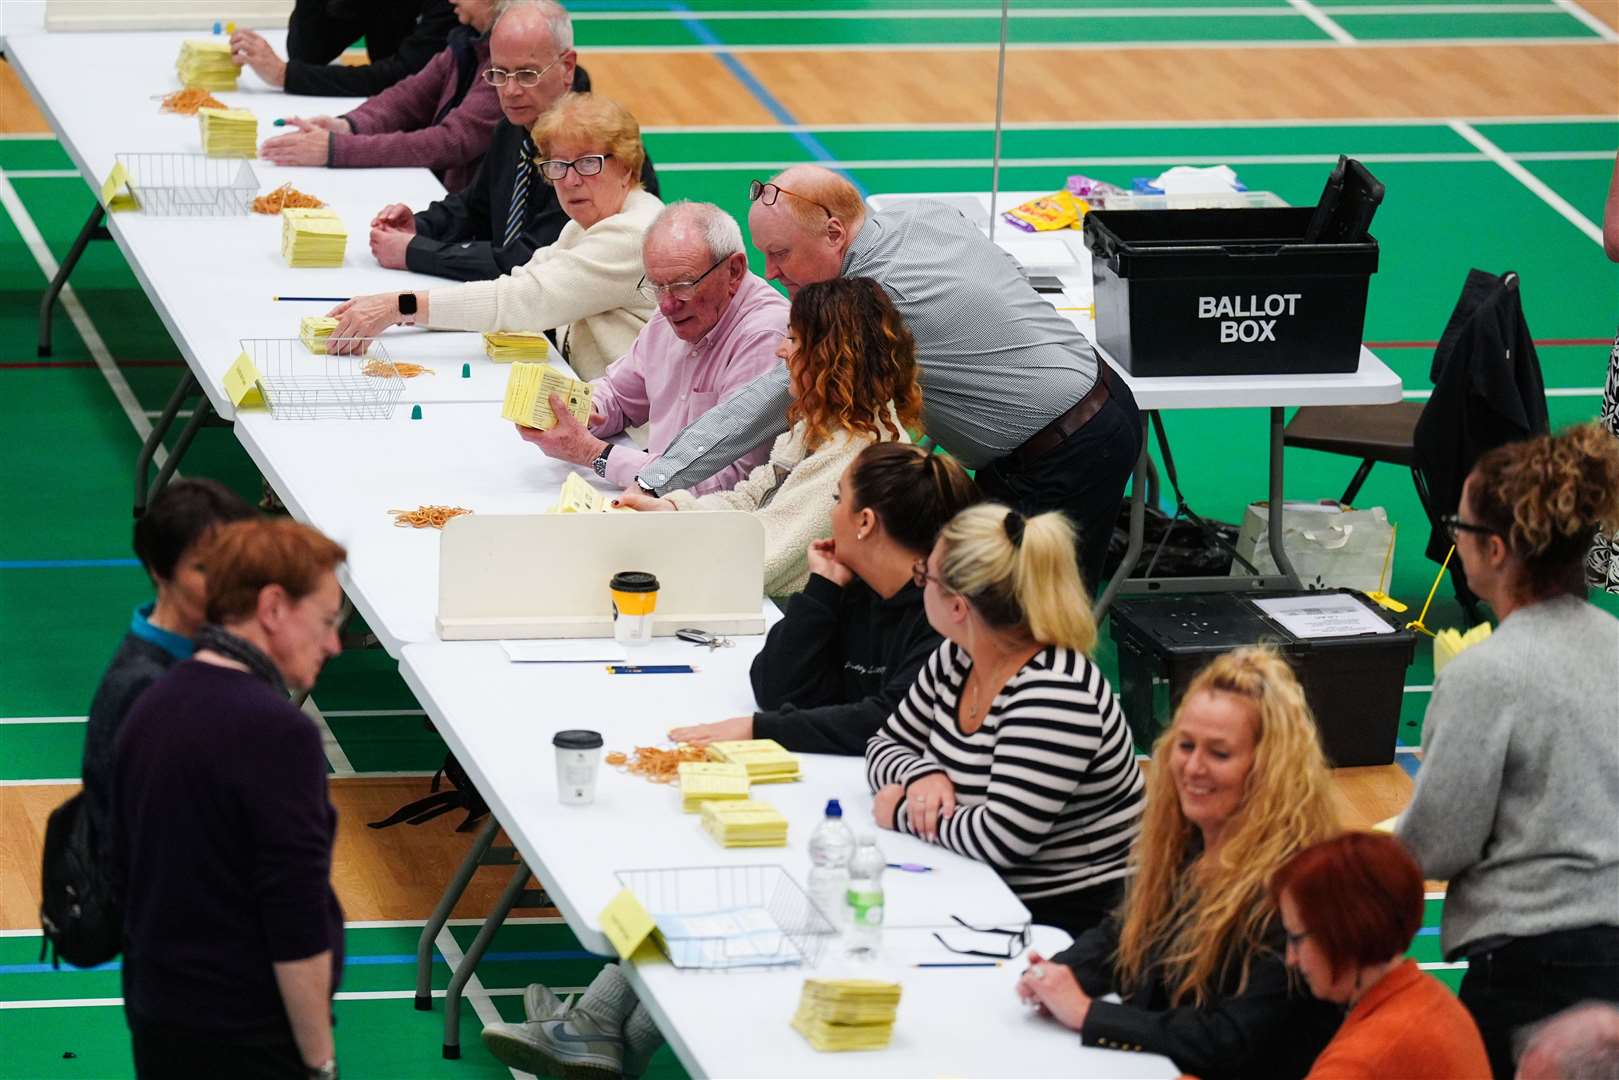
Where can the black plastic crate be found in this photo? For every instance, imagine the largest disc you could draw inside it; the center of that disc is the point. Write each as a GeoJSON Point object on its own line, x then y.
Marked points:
{"type": "Point", "coordinates": [1226, 292]}
{"type": "Point", "coordinates": [1354, 684]}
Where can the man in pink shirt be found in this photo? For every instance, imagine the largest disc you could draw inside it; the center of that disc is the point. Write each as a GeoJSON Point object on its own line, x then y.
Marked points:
{"type": "Point", "coordinates": [716, 330]}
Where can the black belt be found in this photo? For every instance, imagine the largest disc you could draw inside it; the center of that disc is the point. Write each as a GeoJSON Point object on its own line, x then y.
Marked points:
{"type": "Point", "coordinates": [1057, 432]}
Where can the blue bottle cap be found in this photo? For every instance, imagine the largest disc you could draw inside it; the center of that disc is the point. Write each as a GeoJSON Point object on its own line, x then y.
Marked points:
{"type": "Point", "coordinates": [834, 808]}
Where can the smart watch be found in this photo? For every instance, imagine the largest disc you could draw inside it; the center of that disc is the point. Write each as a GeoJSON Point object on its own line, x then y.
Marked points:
{"type": "Point", "coordinates": [407, 308]}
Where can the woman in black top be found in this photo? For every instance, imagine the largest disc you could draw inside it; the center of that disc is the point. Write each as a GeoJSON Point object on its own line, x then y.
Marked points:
{"type": "Point", "coordinates": [852, 642]}
{"type": "Point", "coordinates": [223, 830]}
{"type": "Point", "coordinates": [1197, 951]}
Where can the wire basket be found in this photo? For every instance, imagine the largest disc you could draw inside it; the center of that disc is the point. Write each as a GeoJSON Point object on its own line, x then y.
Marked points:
{"type": "Point", "coordinates": [721, 917]}
{"type": "Point", "coordinates": [190, 185]}
{"type": "Point", "coordinates": [301, 385]}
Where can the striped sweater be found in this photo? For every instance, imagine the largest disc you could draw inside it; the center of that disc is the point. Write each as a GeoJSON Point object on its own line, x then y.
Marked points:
{"type": "Point", "coordinates": [1047, 789]}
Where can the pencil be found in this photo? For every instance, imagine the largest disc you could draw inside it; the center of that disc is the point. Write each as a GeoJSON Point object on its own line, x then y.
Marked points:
{"type": "Point", "coordinates": [313, 299]}
{"type": "Point", "coordinates": [961, 964]}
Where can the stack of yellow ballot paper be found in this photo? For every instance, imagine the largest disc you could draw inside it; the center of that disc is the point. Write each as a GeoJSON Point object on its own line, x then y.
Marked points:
{"type": "Point", "coordinates": [744, 823]}
{"type": "Point", "coordinates": [768, 762]}
{"type": "Point", "coordinates": [847, 1014]}
{"type": "Point", "coordinates": [1448, 643]}
{"type": "Point", "coordinates": [702, 781]}
{"type": "Point", "coordinates": [312, 237]}
{"type": "Point", "coordinates": [206, 64]}
{"type": "Point", "coordinates": [528, 396]}
{"type": "Point", "coordinates": [578, 497]}
{"type": "Point", "coordinates": [313, 330]}
{"type": "Point", "coordinates": [229, 132]}
{"type": "Point", "coordinates": [505, 346]}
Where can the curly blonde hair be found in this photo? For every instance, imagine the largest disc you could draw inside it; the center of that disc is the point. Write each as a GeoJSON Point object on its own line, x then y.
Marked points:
{"type": "Point", "coordinates": [1199, 921]}
{"type": "Point", "coordinates": [855, 355]}
{"type": "Point", "coordinates": [1546, 497]}
{"type": "Point", "coordinates": [599, 121]}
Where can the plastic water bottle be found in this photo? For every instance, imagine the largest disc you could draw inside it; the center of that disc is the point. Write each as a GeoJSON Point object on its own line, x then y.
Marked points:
{"type": "Point", "coordinates": [830, 847]}
{"type": "Point", "coordinates": [866, 899]}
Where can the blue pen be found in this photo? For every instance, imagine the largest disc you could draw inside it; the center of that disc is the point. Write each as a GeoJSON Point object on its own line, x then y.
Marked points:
{"type": "Point", "coordinates": [650, 669]}
{"type": "Point", "coordinates": [911, 867]}
{"type": "Point", "coordinates": [961, 963]}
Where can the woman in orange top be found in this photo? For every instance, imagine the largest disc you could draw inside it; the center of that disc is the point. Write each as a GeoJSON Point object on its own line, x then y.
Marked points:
{"type": "Point", "coordinates": [1350, 907]}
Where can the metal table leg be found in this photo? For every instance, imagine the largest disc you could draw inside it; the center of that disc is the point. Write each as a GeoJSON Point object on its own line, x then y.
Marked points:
{"type": "Point", "coordinates": [441, 912]}
{"type": "Point", "coordinates": [93, 230]}
{"type": "Point", "coordinates": [469, 962]}
{"type": "Point", "coordinates": [184, 388]}
{"type": "Point", "coordinates": [1278, 550]}
{"type": "Point", "coordinates": [1138, 523]}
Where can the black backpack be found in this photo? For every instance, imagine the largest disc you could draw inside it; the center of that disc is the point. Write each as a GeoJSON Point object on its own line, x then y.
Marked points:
{"type": "Point", "coordinates": [460, 795]}
{"type": "Point", "coordinates": [79, 910]}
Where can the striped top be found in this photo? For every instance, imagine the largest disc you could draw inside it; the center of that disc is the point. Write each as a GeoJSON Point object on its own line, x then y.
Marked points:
{"type": "Point", "coordinates": [1047, 789]}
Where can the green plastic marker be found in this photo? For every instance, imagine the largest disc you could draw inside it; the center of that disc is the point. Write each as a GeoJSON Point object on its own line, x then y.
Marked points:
{"type": "Point", "coordinates": [415, 412]}
{"type": "Point", "coordinates": [466, 371]}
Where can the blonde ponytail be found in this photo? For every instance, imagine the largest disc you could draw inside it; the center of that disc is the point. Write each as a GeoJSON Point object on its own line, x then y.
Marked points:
{"type": "Point", "coordinates": [1019, 573]}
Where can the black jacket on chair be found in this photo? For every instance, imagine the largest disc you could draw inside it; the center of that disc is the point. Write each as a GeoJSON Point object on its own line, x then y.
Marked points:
{"type": "Point", "coordinates": [1487, 391]}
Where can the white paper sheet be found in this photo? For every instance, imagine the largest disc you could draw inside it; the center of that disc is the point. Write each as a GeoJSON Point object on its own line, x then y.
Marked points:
{"type": "Point", "coordinates": [1323, 615]}
{"type": "Point", "coordinates": [605, 651]}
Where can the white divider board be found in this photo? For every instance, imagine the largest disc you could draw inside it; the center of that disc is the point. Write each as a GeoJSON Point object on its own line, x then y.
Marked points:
{"type": "Point", "coordinates": [163, 14]}
{"type": "Point", "coordinates": [494, 581]}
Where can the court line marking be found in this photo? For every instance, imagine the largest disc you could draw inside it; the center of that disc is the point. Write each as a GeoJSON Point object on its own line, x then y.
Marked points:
{"type": "Point", "coordinates": [1105, 125]}
{"type": "Point", "coordinates": [1323, 22]}
{"type": "Point", "coordinates": [1529, 180]}
{"type": "Point", "coordinates": [1562, 391]}
{"type": "Point", "coordinates": [1440, 157]}
{"type": "Point", "coordinates": [24, 223]}
{"type": "Point", "coordinates": [1577, 12]}
{"type": "Point", "coordinates": [336, 756]}
{"type": "Point", "coordinates": [330, 713]}
{"type": "Point", "coordinates": [1296, 10]}
{"type": "Point", "coordinates": [1115, 46]}
{"type": "Point", "coordinates": [43, 174]}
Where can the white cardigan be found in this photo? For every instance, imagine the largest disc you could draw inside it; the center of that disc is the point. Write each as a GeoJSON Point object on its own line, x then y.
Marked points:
{"type": "Point", "coordinates": [586, 282]}
{"type": "Point", "coordinates": [791, 494]}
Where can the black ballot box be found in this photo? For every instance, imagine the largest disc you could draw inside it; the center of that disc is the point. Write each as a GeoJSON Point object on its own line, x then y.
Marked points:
{"type": "Point", "coordinates": [1227, 292]}
{"type": "Point", "coordinates": [1353, 679]}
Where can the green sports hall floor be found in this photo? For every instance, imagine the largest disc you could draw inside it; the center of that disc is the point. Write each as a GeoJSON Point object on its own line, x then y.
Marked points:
{"type": "Point", "coordinates": [67, 583]}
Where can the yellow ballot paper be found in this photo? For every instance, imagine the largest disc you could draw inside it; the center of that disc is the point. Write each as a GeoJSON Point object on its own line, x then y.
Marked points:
{"type": "Point", "coordinates": [744, 823]}
{"type": "Point", "coordinates": [505, 346]}
{"type": "Point", "coordinates": [701, 781]}
{"type": "Point", "coordinates": [528, 396]}
{"type": "Point", "coordinates": [229, 132]}
{"type": "Point", "coordinates": [767, 761]}
{"type": "Point", "coordinates": [578, 497]}
{"type": "Point", "coordinates": [1448, 643]}
{"type": "Point", "coordinates": [313, 330]}
{"type": "Point", "coordinates": [626, 923]}
{"type": "Point", "coordinates": [847, 1014]}
{"type": "Point", "coordinates": [312, 236]}
{"type": "Point", "coordinates": [242, 384]}
{"type": "Point", "coordinates": [206, 64]}
{"type": "Point", "coordinates": [115, 194]}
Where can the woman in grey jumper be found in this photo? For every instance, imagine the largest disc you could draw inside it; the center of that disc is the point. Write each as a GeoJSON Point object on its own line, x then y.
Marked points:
{"type": "Point", "coordinates": [1517, 800]}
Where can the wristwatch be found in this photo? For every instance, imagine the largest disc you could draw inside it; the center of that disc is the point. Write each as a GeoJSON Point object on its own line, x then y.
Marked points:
{"type": "Point", "coordinates": [600, 464]}
{"type": "Point", "coordinates": [327, 1071]}
{"type": "Point", "coordinates": [407, 308]}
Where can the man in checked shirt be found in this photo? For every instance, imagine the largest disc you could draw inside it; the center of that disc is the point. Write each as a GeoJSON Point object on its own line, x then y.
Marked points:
{"type": "Point", "coordinates": [1009, 386]}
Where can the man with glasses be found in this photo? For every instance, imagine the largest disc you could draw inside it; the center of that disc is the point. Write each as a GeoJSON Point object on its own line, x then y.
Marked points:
{"type": "Point", "coordinates": [505, 212]}
{"type": "Point", "coordinates": [715, 331]}
{"type": "Point", "coordinates": [1009, 386]}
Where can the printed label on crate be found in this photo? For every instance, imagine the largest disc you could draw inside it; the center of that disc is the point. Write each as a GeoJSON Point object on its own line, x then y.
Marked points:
{"type": "Point", "coordinates": [1250, 318]}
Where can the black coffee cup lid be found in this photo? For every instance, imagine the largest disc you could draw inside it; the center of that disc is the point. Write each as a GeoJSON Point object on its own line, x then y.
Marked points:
{"type": "Point", "coordinates": [577, 739]}
{"type": "Point", "coordinates": [634, 581]}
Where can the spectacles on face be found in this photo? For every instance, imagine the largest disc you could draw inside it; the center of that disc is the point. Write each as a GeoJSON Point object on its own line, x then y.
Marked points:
{"type": "Point", "coordinates": [1454, 524]}
{"type": "Point", "coordinates": [759, 191]}
{"type": "Point", "coordinates": [675, 290]}
{"type": "Point", "coordinates": [920, 578]}
{"type": "Point", "coordinates": [589, 165]}
{"type": "Point", "coordinates": [1016, 940]}
{"type": "Point", "coordinates": [524, 77]}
